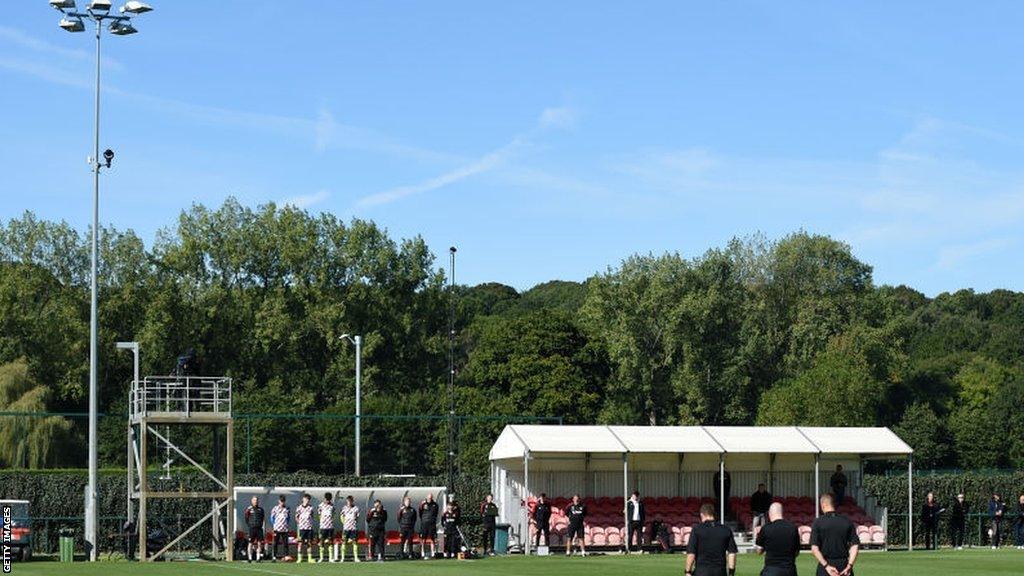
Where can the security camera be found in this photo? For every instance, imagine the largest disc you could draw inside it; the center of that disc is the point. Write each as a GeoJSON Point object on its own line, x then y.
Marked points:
{"type": "Point", "coordinates": [452, 250]}
{"type": "Point", "coordinates": [108, 155]}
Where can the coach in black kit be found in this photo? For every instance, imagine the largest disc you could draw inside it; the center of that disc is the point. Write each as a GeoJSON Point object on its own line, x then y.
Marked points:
{"type": "Point", "coordinates": [489, 515]}
{"type": "Point", "coordinates": [834, 541]}
{"type": "Point", "coordinates": [376, 521]}
{"type": "Point", "coordinates": [428, 526]}
{"type": "Point", "coordinates": [712, 548]}
{"type": "Point", "coordinates": [779, 541]}
{"type": "Point", "coordinates": [542, 519]}
{"type": "Point", "coordinates": [577, 513]}
{"type": "Point", "coordinates": [406, 527]}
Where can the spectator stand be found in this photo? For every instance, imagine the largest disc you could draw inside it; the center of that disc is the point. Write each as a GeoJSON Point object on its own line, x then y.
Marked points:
{"type": "Point", "coordinates": [673, 468]}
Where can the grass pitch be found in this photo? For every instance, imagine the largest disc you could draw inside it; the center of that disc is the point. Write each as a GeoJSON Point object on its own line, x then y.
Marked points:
{"type": "Point", "coordinates": [979, 562]}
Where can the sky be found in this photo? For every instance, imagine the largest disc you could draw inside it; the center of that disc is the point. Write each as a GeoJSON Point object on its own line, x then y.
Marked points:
{"type": "Point", "coordinates": [546, 140]}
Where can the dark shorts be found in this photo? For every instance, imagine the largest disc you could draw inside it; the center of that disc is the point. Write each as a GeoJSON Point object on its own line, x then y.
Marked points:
{"type": "Point", "coordinates": [351, 535]}
{"type": "Point", "coordinates": [709, 571]}
{"type": "Point", "coordinates": [575, 531]}
{"type": "Point", "coordinates": [428, 532]}
{"type": "Point", "coordinates": [326, 534]}
{"type": "Point", "coordinates": [305, 535]}
{"type": "Point", "coordinates": [281, 536]}
{"type": "Point", "coordinates": [255, 534]}
{"type": "Point", "coordinates": [406, 532]}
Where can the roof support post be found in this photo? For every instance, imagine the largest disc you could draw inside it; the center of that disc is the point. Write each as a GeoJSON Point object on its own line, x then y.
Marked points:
{"type": "Point", "coordinates": [679, 474]}
{"type": "Point", "coordinates": [910, 502]}
{"type": "Point", "coordinates": [771, 473]}
{"type": "Point", "coordinates": [625, 497]}
{"type": "Point", "coordinates": [817, 485]}
{"type": "Point", "coordinates": [721, 487]}
{"type": "Point", "coordinates": [526, 497]}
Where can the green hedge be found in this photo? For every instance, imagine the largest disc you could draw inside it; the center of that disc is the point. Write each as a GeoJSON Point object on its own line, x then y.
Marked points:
{"type": "Point", "coordinates": [977, 487]}
{"type": "Point", "coordinates": [57, 500]}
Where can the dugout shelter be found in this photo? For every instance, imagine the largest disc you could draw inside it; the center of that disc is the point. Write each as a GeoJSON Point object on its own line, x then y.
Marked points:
{"type": "Point", "coordinates": [675, 468]}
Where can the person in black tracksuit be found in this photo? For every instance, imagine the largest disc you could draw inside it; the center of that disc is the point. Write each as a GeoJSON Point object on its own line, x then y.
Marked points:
{"type": "Point", "coordinates": [450, 524]}
{"type": "Point", "coordinates": [376, 522]}
{"type": "Point", "coordinates": [958, 521]}
{"type": "Point", "coordinates": [1019, 540]}
{"type": "Point", "coordinates": [711, 550]}
{"type": "Point", "coordinates": [406, 527]}
{"type": "Point", "coordinates": [636, 515]}
{"type": "Point", "coordinates": [542, 519]}
{"type": "Point", "coordinates": [489, 515]}
{"type": "Point", "coordinates": [834, 540]}
{"type": "Point", "coordinates": [930, 511]}
{"type": "Point", "coordinates": [577, 513]}
{"type": "Point", "coordinates": [255, 518]}
{"type": "Point", "coordinates": [428, 526]}
{"type": "Point", "coordinates": [779, 541]}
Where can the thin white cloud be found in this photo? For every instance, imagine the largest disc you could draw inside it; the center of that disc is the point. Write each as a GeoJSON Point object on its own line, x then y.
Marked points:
{"type": "Point", "coordinates": [307, 200]}
{"type": "Point", "coordinates": [324, 129]}
{"type": "Point", "coordinates": [560, 117]}
{"type": "Point", "coordinates": [20, 38]}
{"type": "Point", "coordinates": [485, 163]}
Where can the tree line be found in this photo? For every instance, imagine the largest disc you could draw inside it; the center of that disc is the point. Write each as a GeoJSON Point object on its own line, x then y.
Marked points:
{"type": "Point", "coordinates": [773, 332]}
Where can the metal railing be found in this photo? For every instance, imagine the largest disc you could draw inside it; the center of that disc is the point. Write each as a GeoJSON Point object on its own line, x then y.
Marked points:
{"type": "Point", "coordinates": [181, 395]}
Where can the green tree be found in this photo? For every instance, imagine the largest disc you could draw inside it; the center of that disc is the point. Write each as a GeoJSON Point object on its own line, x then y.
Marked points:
{"type": "Point", "coordinates": [28, 441]}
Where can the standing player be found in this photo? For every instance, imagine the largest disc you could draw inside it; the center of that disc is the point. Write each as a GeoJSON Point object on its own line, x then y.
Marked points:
{"type": "Point", "coordinates": [542, 520]}
{"type": "Point", "coordinates": [489, 514]}
{"type": "Point", "coordinates": [280, 516]}
{"type": "Point", "coordinates": [711, 550]}
{"type": "Point", "coordinates": [834, 541]}
{"type": "Point", "coordinates": [255, 518]}
{"type": "Point", "coordinates": [779, 541]}
{"type": "Point", "coordinates": [406, 527]}
{"type": "Point", "coordinates": [450, 522]}
{"type": "Point", "coordinates": [304, 524]}
{"type": "Point", "coordinates": [350, 526]}
{"type": "Point", "coordinates": [930, 519]}
{"type": "Point", "coordinates": [377, 521]}
{"type": "Point", "coordinates": [637, 514]}
{"type": "Point", "coordinates": [428, 527]}
{"type": "Point", "coordinates": [577, 513]}
{"type": "Point", "coordinates": [958, 521]}
{"type": "Point", "coordinates": [326, 511]}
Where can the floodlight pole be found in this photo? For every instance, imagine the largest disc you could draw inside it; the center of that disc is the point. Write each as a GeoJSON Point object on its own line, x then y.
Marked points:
{"type": "Point", "coordinates": [451, 375]}
{"type": "Point", "coordinates": [359, 402]}
{"type": "Point", "coordinates": [98, 16]}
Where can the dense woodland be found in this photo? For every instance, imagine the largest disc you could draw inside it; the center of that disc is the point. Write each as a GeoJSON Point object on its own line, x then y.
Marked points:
{"type": "Point", "coordinates": [784, 331]}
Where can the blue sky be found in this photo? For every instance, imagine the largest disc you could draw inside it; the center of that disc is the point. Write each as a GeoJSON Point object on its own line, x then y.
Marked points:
{"type": "Point", "coordinates": [548, 140]}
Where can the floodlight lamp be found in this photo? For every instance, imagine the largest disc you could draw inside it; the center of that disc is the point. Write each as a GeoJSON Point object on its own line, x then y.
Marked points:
{"type": "Point", "coordinates": [99, 6]}
{"type": "Point", "coordinates": [122, 28]}
{"type": "Point", "coordinates": [63, 5]}
{"type": "Point", "coordinates": [73, 24]}
{"type": "Point", "coordinates": [136, 7]}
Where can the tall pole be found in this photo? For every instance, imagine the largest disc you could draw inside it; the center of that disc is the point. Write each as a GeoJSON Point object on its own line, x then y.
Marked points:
{"type": "Point", "coordinates": [359, 401]}
{"type": "Point", "coordinates": [92, 499]}
{"type": "Point", "coordinates": [451, 374]}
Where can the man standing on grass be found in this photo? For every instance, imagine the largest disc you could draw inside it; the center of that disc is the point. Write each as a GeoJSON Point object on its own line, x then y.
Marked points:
{"type": "Point", "coordinates": [958, 521]}
{"type": "Point", "coordinates": [577, 513]}
{"type": "Point", "coordinates": [711, 550]}
{"type": "Point", "coordinates": [996, 511]}
{"type": "Point", "coordinates": [255, 518]}
{"type": "Point", "coordinates": [1020, 523]}
{"type": "Point", "coordinates": [542, 519]}
{"type": "Point", "coordinates": [779, 541]}
{"type": "Point", "coordinates": [450, 522]}
{"type": "Point", "coordinates": [304, 524]}
{"type": "Point", "coordinates": [636, 514]}
{"type": "Point", "coordinates": [489, 515]}
{"type": "Point", "coordinates": [834, 541]}
{"type": "Point", "coordinates": [930, 511]}
{"type": "Point", "coordinates": [376, 522]}
{"type": "Point", "coordinates": [350, 527]}
{"type": "Point", "coordinates": [280, 516]}
{"type": "Point", "coordinates": [406, 527]}
{"type": "Point", "coordinates": [326, 511]}
{"type": "Point", "coordinates": [428, 527]}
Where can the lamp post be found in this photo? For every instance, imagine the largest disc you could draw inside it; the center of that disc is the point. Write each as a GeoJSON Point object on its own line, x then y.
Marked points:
{"type": "Point", "coordinates": [358, 341]}
{"type": "Point", "coordinates": [98, 11]}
